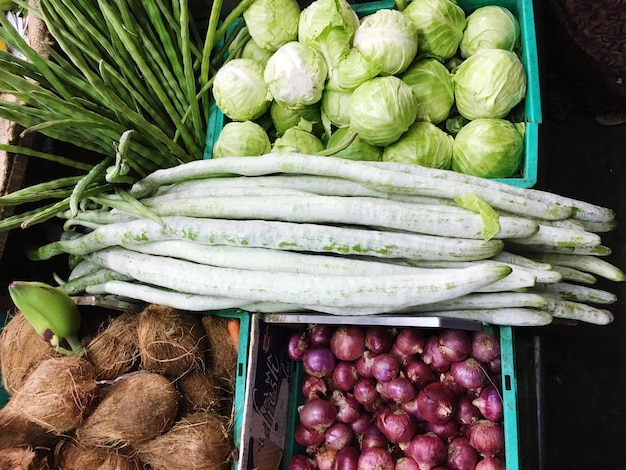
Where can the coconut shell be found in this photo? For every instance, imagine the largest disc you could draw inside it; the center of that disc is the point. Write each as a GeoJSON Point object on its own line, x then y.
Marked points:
{"type": "Point", "coordinates": [221, 355]}
{"type": "Point", "coordinates": [199, 440]}
{"type": "Point", "coordinates": [137, 408]}
{"type": "Point", "coordinates": [55, 399]}
{"type": "Point", "coordinates": [21, 351]}
{"type": "Point", "coordinates": [25, 458]}
{"type": "Point", "coordinates": [202, 391]}
{"type": "Point", "coordinates": [171, 342]}
{"type": "Point", "coordinates": [115, 349]}
{"type": "Point", "coordinates": [69, 455]}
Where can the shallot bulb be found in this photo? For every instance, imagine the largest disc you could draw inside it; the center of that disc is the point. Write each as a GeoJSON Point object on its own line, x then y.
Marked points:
{"type": "Point", "coordinates": [485, 347]}
{"type": "Point", "coordinates": [385, 367]}
{"type": "Point", "coordinates": [319, 362]}
{"type": "Point", "coordinates": [433, 357]}
{"type": "Point", "coordinates": [301, 462]}
{"type": "Point", "coordinates": [364, 364]}
{"type": "Point", "coordinates": [375, 458]}
{"type": "Point", "coordinates": [396, 424]}
{"type": "Point", "coordinates": [435, 403]}
{"type": "Point", "coordinates": [378, 339]}
{"type": "Point", "coordinates": [297, 344]}
{"type": "Point", "coordinates": [347, 458]}
{"type": "Point", "coordinates": [486, 437]}
{"type": "Point", "coordinates": [428, 450]}
{"type": "Point", "coordinates": [410, 341]}
{"type": "Point", "coordinates": [338, 435]}
{"type": "Point", "coordinates": [491, 463]}
{"type": "Point", "coordinates": [319, 335]}
{"type": "Point", "coordinates": [345, 375]}
{"type": "Point", "coordinates": [469, 373]}
{"type": "Point", "coordinates": [489, 403]}
{"type": "Point", "coordinates": [317, 414]}
{"type": "Point", "coordinates": [461, 455]}
{"type": "Point", "coordinates": [348, 343]}
{"type": "Point", "coordinates": [455, 345]}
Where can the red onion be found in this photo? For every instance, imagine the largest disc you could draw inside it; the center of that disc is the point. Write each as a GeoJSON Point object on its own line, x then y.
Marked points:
{"type": "Point", "coordinates": [454, 344]}
{"type": "Point", "coordinates": [417, 371]}
{"type": "Point", "coordinates": [406, 463]}
{"type": "Point", "coordinates": [373, 437]}
{"type": "Point", "coordinates": [410, 341]}
{"type": "Point", "coordinates": [411, 407]}
{"type": "Point", "coordinates": [319, 362]}
{"type": "Point", "coordinates": [491, 463]}
{"type": "Point", "coordinates": [466, 412]}
{"type": "Point", "coordinates": [398, 390]}
{"type": "Point", "coordinates": [385, 367]}
{"type": "Point", "coordinates": [447, 379]}
{"type": "Point", "coordinates": [348, 408]}
{"type": "Point", "coordinates": [435, 403]}
{"type": "Point", "coordinates": [308, 437]}
{"type": "Point", "coordinates": [325, 458]}
{"type": "Point", "coordinates": [348, 342]}
{"type": "Point", "coordinates": [445, 430]}
{"type": "Point", "coordinates": [489, 403]}
{"type": "Point", "coordinates": [461, 455]}
{"type": "Point", "coordinates": [338, 435]}
{"type": "Point", "coordinates": [375, 458]}
{"type": "Point", "coordinates": [495, 366]}
{"type": "Point", "coordinates": [296, 345]}
{"type": "Point", "coordinates": [364, 364]}
{"type": "Point", "coordinates": [360, 424]}
{"type": "Point", "coordinates": [428, 450]}
{"type": "Point", "coordinates": [469, 373]}
{"type": "Point", "coordinates": [317, 413]}
{"type": "Point", "coordinates": [301, 462]}
{"type": "Point", "coordinates": [319, 335]}
{"type": "Point", "coordinates": [485, 347]}
{"type": "Point", "coordinates": [486, 437]}
{"type": "Point", "coordinates": [345, 375]}
{"type": "Point", "coordinates": [378, 339]}
{"type": "Point", "coordinates": [313, 387]}
{"type": "Point", "coordinates": [347, 458]}
{"type": "Point", "coordinates": [396, 424]}
{"type": "Point", "coordinates": [365, 392]}
{"type": "Point", "coordinates": [432, 355]}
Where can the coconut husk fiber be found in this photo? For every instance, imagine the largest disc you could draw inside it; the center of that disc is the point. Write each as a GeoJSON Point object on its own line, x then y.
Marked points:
{"type": "Point", "coordinates": [199, 440]}
{"type": "Point", "coordinates": [202, 391]}
{"type": "Point", "coordinates": [171, 342]}
{"type": "Point", "coordinates": [21, 351]}
{"type": "Point", "coordinates": [221, 355]}
{"type": "Point", "coordinates": [69, 455]}
{"type": "Point", "coordinates": [25, 458]}
{"type": "Point", "coordinates": [55, 399]}
{"type": "Point", "coordinates": [114, 351]}
{"type": "Point", "coordinates": [138, 407]}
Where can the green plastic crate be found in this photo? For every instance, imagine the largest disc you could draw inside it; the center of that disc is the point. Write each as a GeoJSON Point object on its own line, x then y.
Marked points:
{"type": "Point", "coordinates": [523, 10]}
{"type": "Point", "coordinates": [274, 379]}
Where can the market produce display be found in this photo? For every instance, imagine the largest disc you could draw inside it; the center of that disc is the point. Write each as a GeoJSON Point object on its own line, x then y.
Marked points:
{"type": "Point", "coordinates": [403, 398]}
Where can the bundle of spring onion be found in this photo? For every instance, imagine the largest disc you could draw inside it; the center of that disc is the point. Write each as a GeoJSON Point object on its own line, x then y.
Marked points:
{"type": "Point", "coordinates": [288, 232]}
{"type": "Point", "coordinates": [129, 83]}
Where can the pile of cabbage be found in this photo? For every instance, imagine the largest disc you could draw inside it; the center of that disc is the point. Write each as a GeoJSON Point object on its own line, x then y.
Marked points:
{"type": "Point", "coordinates": [429, 84]}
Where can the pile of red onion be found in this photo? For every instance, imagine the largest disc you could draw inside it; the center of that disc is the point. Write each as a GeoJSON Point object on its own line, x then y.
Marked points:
{"type": "Point", "coordinates": [378, 398]}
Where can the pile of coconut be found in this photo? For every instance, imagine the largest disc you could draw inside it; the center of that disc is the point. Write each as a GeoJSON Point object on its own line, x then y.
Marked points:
{"type": "Point", "coordinates": [154, 391]}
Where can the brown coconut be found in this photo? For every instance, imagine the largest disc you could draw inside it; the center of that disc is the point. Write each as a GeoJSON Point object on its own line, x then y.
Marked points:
{"type": "Point", "coordinates": [70, 455]}
{"type": "Point", "coordinates": [202, 391]}
{"type": "Point", "coordinates": [22, 349]}
{"type": "Point", "coordinates": [115, 349]}
{"type": "Point", "coordinates": [199, 440]}
{"type": "Point", "coordinates": [25, 458]}
{"type": "Point", "coordinates": [221, 355]}
{"type": "Point", "coordinates": [138, 407]}
{"type": "Point", "coordinates": [171, 342]}
{"type": "Point", "coordinates": [55, 399]}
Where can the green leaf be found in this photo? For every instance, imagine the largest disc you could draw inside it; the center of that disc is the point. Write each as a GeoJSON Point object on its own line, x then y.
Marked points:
{"type": "Point", "coordinates": [491, 219]}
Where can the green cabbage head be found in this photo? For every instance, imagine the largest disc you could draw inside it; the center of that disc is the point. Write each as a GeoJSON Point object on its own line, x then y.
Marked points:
{"type": "Point", "coordinates": [295, 75]}
{"type": "Point", "coordinates": [387, 38]}
{"type": "Point", "coordinates": [490, 27]}
{"type": "Point", "coordinates": [489, 83]}
{"type": "Point", "coordinates": [240, 91]}
{"type": "Point", "coordinates": [272, 23]}
{"type": "Point", "coordinates": [432, 85]}
{"type": "Point", "coordinates": [382, 109]}
{"type": "Point", "coordinates": [299, 140]}
{"type": "Point", "coordinates": [358, 149]}
{"type": "Point", "coordinates": [283, 117]}
{"type": "Point", "coordinates": [423, 144]}
{"type": "Point", "coordinates": [489, 148]}
{"type": "Point", "coordinates": [242, 139]}
{"type": "Point", "coordinates": [440, 25]}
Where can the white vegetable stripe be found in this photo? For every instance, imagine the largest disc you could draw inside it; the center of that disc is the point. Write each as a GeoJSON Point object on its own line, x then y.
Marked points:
{"type": "Point", "coordinates": [557, 236]}
{"type": "Point", "coordinates": [585, 263]}
{"type": "Point", "coordinates": [577, 293]}
{"type": "Point", "coordinates": [308, 289]}
{"type": "Point", "coordinates": [459, 223]}
{"type": "Point", "coordinates": [277, 235]}
{"type": "Point", "coordinates": [577, 311]}
{"type": "Point", "coordinates": [513, 316]}
{"type": "Point", "coordinates": [361, 172]}
{"type": "Point", "coordinates": [486, 301]}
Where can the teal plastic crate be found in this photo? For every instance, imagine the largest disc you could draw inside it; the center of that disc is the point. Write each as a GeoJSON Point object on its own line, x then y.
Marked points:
{"type": "Point", "coordinates": [524, 11]}
{"type": "Point", "coordinates": [277, 379]}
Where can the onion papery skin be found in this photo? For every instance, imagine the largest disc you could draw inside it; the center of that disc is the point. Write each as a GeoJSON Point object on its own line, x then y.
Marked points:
{"type": "Point", "coordinates": [319, 335]}
{"type": "Point", "coordinates": [485, 347]}
{"type": "Point", "coordinates": [469, 373]}
{"type": "Point", "coordinates": [489, 403]}
{"type": "Point", "coordinates": [348, 408]}
{"type": "Point", "coordinates": [435, 403]}
{"type": "Point", "coordinates": [418, 372]}
{"type": "Point", "coordinates": [466, 412]}
{"type": "Point", "coordinates": [491, 463]}
{"type": "Point", "coordinates": [297, 344]}
{"type": "Point", "coordinates": [375, 458]}
{"type": "Point", "coordinates": [397, 390]}
{"type": "Point", "coordinates": [433, 357]}
{"type": "Point", "coordinates": [348, 343]}
{"type": "Point", "coordinates": [385, 367]}
{"type": "Point", "coordinates": [486, 437]}
{"type": "Point", "coordinates": [325, 458]}
{"type": "Point", "coordinates": [396, 424]}
{"type": "Point", "coordinates": [313, 387]}
{"type": "Point", "coordinates": [406, 463]}
{"type": "Point", "coordinates": [345, 375]}
{"type": "Point", "coordinates": [461, 454]}
{"type": "Point", "coordinates": [338, 435]}
{"type": "Point", "coordinates": [319, 362]}
{"type": "Point", "coordinates": [317, 414]}
{"type": "Point", "coordinates": [410, 341]}
{"type": "Point", "coordinates": [454, 345]}
{"type": "Point", "coordinates": [378, 339]}
{"type": "Point", "coordinates": [308, 437]}
{"type": "Point", "coordinates": [428, 450]}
